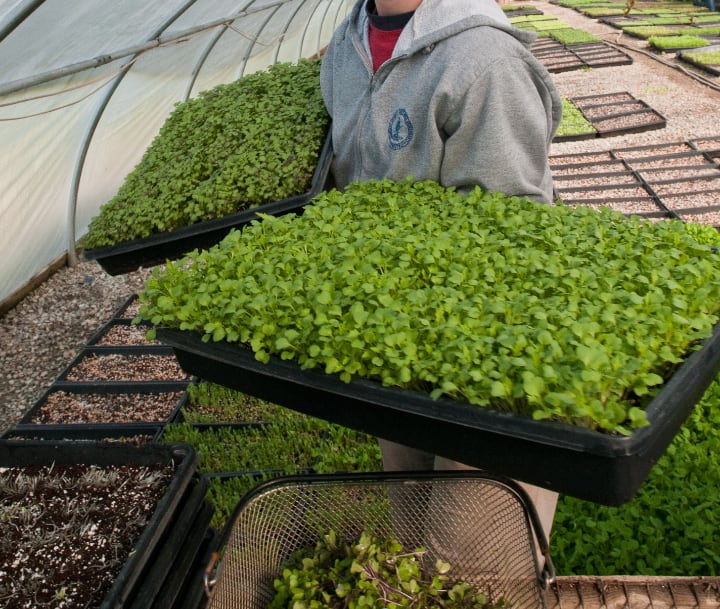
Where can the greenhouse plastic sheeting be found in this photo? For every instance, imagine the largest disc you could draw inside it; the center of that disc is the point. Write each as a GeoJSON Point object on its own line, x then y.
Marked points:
{"type": "Point", "coordinates": [85, 86]}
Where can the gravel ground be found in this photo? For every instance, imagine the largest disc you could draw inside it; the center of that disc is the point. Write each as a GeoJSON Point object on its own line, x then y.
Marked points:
{"type": "Point", "coordinates": [44, 332]}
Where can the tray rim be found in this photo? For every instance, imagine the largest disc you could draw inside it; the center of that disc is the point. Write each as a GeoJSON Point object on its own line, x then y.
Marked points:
{"type": "Point", "coordinates": [415, 401]}
{"type": "Point", "coordinates": [591, 465]}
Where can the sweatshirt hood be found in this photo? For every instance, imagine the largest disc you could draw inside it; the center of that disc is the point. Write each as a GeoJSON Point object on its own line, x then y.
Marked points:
{"type": "Point", "coordinates": [435, 20]}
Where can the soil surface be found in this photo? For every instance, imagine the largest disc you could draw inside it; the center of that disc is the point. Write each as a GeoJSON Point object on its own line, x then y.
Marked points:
{"type": "Point", "coordinates": [67, 408]}
{"type": "Point", "coordinates": [67, 530]}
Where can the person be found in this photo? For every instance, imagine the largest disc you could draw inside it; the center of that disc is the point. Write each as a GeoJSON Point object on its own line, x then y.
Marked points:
{"type": "Point", "coordinates": [443, 90]}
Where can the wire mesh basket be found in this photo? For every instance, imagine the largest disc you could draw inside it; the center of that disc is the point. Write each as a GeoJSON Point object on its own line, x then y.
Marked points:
{"type": "Point", "coordinates": [484, 527]}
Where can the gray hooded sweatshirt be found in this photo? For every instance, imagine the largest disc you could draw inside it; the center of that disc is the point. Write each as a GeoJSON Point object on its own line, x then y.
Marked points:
{"type": "Point", "coordinates": [462, 101]}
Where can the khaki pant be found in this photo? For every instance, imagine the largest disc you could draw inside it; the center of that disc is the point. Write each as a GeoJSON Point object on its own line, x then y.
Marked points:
{"type": "Point", "coordinates": [397, 457]}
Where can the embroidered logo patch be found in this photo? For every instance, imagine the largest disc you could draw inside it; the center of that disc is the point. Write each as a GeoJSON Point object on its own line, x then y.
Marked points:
{"type": "Point", "coordinates": [400, 129]}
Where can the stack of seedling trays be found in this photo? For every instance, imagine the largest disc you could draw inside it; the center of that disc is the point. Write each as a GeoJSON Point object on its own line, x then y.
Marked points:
{"type": "Point", "coordinates": [161, 549]}
{"type": "Point", "coordinates": [119, 386]}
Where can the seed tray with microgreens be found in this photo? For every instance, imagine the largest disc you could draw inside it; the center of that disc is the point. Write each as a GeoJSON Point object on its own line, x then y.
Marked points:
{"type": "Point", "coordinates": [260, 143]}
{"type": "Point", "coordinates": [559, 346]}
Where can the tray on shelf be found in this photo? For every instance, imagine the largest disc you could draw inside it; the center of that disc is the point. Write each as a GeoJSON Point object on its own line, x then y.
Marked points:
{"type": "Point", "coordinates": [598, 467]}
{"type": "Point", "coordinates": [158, 248]}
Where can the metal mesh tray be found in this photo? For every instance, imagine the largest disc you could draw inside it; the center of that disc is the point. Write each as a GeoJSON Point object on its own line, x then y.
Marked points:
{"type": "Point", "coordinates": [485, 527]}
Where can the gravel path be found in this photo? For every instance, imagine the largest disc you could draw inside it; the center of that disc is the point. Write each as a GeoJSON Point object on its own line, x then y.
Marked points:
{"type": "Point", "coordinates": [691, 107]}
{"type": "Point", "coordinates": [43, 333]}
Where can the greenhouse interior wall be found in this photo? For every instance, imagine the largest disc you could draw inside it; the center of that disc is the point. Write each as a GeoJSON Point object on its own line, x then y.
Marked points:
{"type": "Point", "coordinates": [84, 91]}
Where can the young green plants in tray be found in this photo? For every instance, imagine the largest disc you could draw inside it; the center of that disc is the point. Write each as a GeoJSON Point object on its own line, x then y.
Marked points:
{"type": "Point", "coordinates": [556, 313]}
{"type": "Point", "coordinates": [342, 450]}
{"type": "Point", "coordinates": [706, 58]}
{"type": "Point", "coordinates": [233, 147]}
{"type": "Point", "coordinates": [212, 403]}
{"type": "Point", "coordinates": [287, 439]}
{"type": "Point", "coordinates": [672, 43]}
{"type": "Point", "coordinates": [288, 442]}
{"type": "Point", "coordinates": [572, 36]}
{"type": "Point", "coordinates": [669, 528]}
{"type": "Point", "coordinates": [573, 122]}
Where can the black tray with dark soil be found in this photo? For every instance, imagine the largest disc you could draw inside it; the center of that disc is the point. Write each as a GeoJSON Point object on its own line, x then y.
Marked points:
{"type": "Point", "coordinates": [124, 368]}
{"type": "Point", "coordinates": [172, 465]}
{"type": "Point", "coordinates": [82, 404]}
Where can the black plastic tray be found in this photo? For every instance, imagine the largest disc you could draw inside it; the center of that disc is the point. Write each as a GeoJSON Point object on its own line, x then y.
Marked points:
{"type": "Point", "coordinates": [114, 385]}
{"type": "Point", "coordinates": [89, 389]}
{"type": "Point", "coordinates": [157, 249]}
{"type": "Point", "coordinates": [171, 560]}
{"type": "Point", "coordinates": [23, 453]}
{"type": "Point", "coordinates": [594, 466]}
{"type": "Point", "coordinates": [90, 433]}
